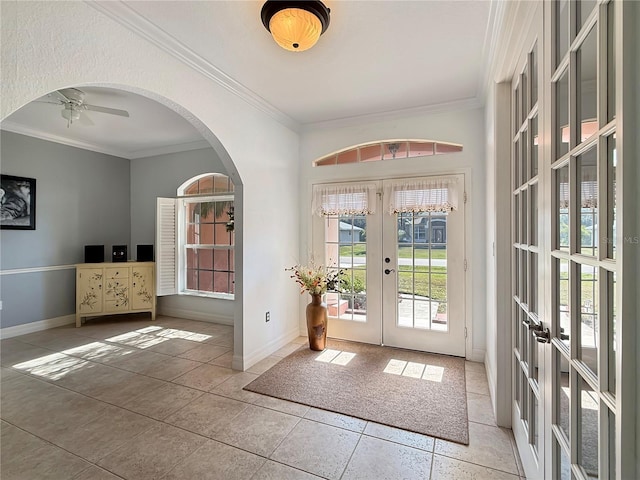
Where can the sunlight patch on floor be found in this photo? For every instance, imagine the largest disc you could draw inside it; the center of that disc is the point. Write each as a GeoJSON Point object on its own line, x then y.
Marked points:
{"type": "Point", "coordinates": [336, 357]}
{"type": "Point", "coordinates": [422, 371]}
{"type": "Point", "coordinates": [53, 367]}
{"type": "Point", "coordinates": [97, 350]}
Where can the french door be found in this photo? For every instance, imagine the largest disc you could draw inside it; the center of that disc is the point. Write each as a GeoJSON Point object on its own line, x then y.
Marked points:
{"type": "Point", "coordinates": [404, 271]}
{"type": "Point", "coordinates": [565, 262]}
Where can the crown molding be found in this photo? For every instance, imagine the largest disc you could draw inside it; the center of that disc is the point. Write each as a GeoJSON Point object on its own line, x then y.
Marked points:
{"type": "Point", "coordinates": [148, 152]}
{"type": "Point", "coordinates": [495, 26]}
{"type": "Point", "coordinates": [141, 26]}
{"type": "Point", "coordinates": [457, 105]}
{"type": "Point", "coordinates": [177, 148]}
{"type": "Point", "coordinates": [510, 30]}
{"type": "Point", "coordinates": [32, 132]}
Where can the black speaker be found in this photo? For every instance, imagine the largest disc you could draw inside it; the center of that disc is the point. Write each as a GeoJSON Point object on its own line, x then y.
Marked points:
{"type": "Point", "coordinates": [93, 253]}
{"type": "Point", "coordinates": [144, 253]}
{"type": "Point", "coordinates": [118, 253]}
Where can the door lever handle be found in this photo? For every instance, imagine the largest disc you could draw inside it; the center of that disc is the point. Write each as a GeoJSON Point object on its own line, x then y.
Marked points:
{"type": "Point", "coordinates": [387, 271]}
{"type": "Point", "coordinates": [543, 336]}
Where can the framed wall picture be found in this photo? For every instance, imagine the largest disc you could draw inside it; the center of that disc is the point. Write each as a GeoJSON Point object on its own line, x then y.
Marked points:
{"type": "Point", "coordinates": [18, 203]}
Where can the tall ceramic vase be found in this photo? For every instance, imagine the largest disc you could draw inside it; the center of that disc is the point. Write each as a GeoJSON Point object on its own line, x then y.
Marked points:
{"type": "Point", "coordinates": [317, 323]}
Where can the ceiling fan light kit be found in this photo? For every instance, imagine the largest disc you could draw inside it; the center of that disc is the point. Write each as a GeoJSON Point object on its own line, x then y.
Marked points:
{"type": "Point", "coordinates": [296, 25]}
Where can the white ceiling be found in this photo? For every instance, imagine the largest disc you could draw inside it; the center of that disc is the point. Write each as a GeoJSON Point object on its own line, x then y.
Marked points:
{"type": "Point", "coordinates": [376, 57]}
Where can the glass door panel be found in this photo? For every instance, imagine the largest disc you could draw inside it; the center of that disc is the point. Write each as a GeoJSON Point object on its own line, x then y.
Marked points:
{"type": "Point", "coordinates": [423, 280]}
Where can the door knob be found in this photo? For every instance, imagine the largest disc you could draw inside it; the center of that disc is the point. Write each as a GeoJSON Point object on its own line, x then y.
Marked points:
{"type": "Point", "coordinates": [387, 271]}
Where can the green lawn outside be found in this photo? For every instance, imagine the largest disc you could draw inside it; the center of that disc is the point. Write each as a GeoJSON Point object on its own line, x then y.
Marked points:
{"type": "Point", "coordinates": [406, 279]}
{"type": "Point", "coordinates": [360, 250]}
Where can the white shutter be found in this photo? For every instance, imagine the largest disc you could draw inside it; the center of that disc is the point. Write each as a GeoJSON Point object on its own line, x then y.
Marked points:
{"type": "Point", "coordinates": [166, 247]}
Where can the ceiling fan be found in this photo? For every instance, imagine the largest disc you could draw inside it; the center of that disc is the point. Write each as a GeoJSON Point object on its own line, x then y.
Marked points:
{"type": "Point", "coordinates": [72, 100]}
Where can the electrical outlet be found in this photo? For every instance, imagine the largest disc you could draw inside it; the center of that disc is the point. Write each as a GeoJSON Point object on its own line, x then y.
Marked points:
{"type": "Point", "coordinates": [267, 316]}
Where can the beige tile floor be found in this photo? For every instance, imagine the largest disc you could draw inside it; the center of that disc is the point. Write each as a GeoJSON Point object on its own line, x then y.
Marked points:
{"type": "Point", "coordinates": [128, 398]}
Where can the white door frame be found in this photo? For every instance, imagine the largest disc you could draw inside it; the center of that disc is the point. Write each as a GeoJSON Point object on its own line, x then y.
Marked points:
{"type": "Point", "coordinates": [470, 353]}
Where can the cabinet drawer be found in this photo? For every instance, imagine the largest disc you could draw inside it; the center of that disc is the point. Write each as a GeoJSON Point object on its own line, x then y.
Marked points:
{"type": "Point", "coordinates": [116, 273]}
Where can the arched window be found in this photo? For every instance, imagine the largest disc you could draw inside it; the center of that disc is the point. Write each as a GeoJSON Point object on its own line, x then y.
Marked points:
{"type": "Point", "coordinates": [388, 150]}
{"type": "Point", "coordinates": [196, 238]}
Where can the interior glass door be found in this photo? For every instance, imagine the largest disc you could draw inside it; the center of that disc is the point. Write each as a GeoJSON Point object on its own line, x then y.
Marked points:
{"type": "Point", "coordinates": [583, 257]}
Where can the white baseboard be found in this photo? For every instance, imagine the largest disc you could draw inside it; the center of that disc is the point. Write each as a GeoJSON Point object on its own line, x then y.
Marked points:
{"type": "Point", "coordinates": [477, 355]}
{"type": "Point", "coordinates": [195, 315]}
{"type": "Point", "coordinates": [240, 363]}
{"type": "Point", "coordinates": [38, 326]}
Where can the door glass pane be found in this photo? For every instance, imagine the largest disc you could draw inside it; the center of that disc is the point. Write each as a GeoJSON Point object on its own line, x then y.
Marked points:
{"type": "Point", "coordinates": [588, 429]}
{"type": "Point", "coordinates": [534, 146]}
{"type": "Point", "coordinates": [562, 199]}
{"type": "Point", "coordinates": [533, 282]}
{"type": "Point", "coordinates": [564, 304]}
{"type": "Point", "coordinates": [611, 62]}
{"type": "Point", "coordinates": [523, 217]}
{"type": "Point", "coordinates": [585, 7]}
{"type": "Point", "coordinates": [533, 62]}
{"type": "Point", "coordinates": [516, 107]}
{"type": "Point", "coordinates": [612, 445]}
{"type": "Point", "coordinates": [533, 215]}
{"type": "Point", "coordinates": [516, 164]}
{"type": "Point", "coordinates": [587, 81]}
{"type": "Point", "coordinates": [525, 399]}
{"type": "Point", "coordinates": [562, 29]}
{"type": "Point", "coordinates": [589, 316]}
{"type": "Point", "coordinates": [525, 95]}
{"type": "Point", "coordinates": [516, 326]}
{"type": "Point", "coordinates": [535, 431]}
{"type": "Point", "coordinates": [516, 273]}
{"type": "Point", "coordinates": [563, 396]}
{"type": "Point", "coordinates": [564, 464]}
{"type": "Point", "coordinates": [516, 219]}
{"type": "Point", "coordinates": [587, 164]}
{"type": "Point", "coordinates": [422, 270]}
{"type": "Point", "coordinates": [611, 196]}
{"type": "Point", "coordinates": [533, 365]}
{"type": "Point", "coordinates": [523, 277]}
{"type": "Point", "coordinates": [346, 247]}
{"type": "Point", "coordinates": [518, 392]}
{"type": "Point", "coordinates": [562, 115]}
{"type": "Point", "coordinates": [524, 169]}
{"type": "Point", "coordinates": [611, 325]}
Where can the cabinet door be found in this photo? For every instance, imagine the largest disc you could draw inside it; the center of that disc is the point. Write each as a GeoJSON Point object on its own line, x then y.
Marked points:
{"type": "Point", "coordinates": [116, 289]}
{"type": "Point", "coordinates": [89, 290]}
{"type": "Point", "coordinates": [142, 294]}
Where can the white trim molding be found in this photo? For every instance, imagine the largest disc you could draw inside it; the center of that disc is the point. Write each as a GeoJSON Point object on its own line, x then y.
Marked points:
{"type": "Point", "coordinates": [138, 24]}
{"type": "Point", "coordinates": [240, 363]}
{"type": "Point", "coordinates": [195, 315]}
{"type": "Point", "coordinates": [50, 268]}
{"type": "Point", "coordinates": [38, 326]}
{"type": "Point", "coordinates": [13, 127]}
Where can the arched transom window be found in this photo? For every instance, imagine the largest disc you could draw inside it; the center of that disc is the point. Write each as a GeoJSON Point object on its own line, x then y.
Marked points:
{"type": "Point", "coordinates": [388, 150]}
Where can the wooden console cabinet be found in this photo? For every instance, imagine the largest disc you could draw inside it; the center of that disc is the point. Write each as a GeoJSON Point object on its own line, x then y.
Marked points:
{"type": "Point", "coordinates": [111, 288]}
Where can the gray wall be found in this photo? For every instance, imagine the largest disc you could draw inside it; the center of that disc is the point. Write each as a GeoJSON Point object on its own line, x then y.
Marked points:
{"type": "Point", "coordinates": [82, 198]}
{"type": "Point", "coordinates": [160, 176]}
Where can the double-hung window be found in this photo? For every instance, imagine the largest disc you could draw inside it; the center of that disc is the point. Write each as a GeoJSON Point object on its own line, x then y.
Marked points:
{"type": "Point", "coordinates": [195, 239]}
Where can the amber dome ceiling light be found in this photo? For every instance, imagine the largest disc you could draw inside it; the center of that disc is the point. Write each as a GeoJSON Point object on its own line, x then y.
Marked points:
{"type": "Point", "coordinates": [295, 25]}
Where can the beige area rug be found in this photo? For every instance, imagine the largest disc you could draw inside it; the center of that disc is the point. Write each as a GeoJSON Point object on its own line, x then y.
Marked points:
{"type": "Point", "coordinates": [420, 392]}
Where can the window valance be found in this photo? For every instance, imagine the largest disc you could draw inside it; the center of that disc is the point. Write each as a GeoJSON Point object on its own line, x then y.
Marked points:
{"type": "Point", "coordinates": [344, 199]}
{"type": "Point", "coordinates": [433, 194]}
